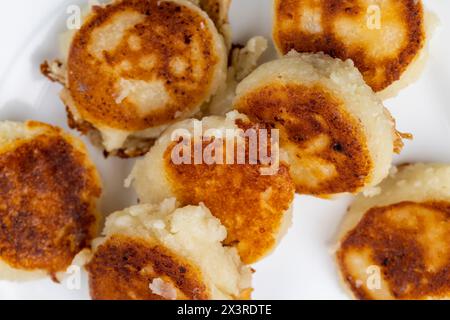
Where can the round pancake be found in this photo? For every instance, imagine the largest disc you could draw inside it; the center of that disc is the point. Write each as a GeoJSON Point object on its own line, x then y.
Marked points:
{"type": "Point", "coordinates": [48, 195]}
{"type": "Point", "coordinates": [124, 267]}
{"type": "Point", "coordinates": [337, 133]}
{"type": "Point", "coordinates": [136, 66]}
{"type": "Point", "coordinates": [394, 245]}
{"type": "Point", "coordinates": [255, 208]}
{"type": "Point", "coordinates": [159, 252]}
{"type": "Point", "coordinates": [383, 38]}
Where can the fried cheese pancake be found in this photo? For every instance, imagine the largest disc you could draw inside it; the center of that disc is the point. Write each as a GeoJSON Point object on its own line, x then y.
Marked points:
{"type": "Point", "coordinates": [337, 133]}
{"type": "Point", "coordinates": [135, 67]}
{"type": "Point", "coordinates": [385, 39]}
{"type": "Point", "coordinates": [254, 207]}
{"type": "Point", "coordinates": [161, 252]}
{"type": "Point", "coordinates": [395, 245]}
{"type": "Point", "coordinates": [48, 195]}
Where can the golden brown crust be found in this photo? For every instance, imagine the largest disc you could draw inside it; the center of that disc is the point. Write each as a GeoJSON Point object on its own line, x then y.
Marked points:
{"type": "Point", "coordinates": [251, 206]}
{"type": "Point", "coordinates": [92, 82]}
{"type": "Point", "coordinates": [48, 196]}
{"type": "Point", "coordinates": [409, 242]}
{"type": "Point", "coordinates": [378, 71]}
{"type": "Point", "coordinates": [123, 269]}
{"type": "Point", "coordinates": [398, 142]}
{"type": "Point", "coordinates": [316, 131]}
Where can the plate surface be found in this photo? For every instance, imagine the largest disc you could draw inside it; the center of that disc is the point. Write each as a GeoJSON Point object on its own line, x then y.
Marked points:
{"type": "Point", "coordinates": [302, 266]}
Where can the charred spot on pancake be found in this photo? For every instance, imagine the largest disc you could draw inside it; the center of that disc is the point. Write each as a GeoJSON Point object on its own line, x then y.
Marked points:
{"type": "Point", "coordinates": [408, 241]}
{"type": "Point", "coordinates": [327, 148]}
{"type": "Point", "coordinates": [343, 30]}
{"type": "Point", "coordinates": [130, 67]}
{"type": "Point", "coordinates": [250, 205]}
{"type": "Point", "coordinates": [47, 210]}
{"type": "Point", "coordinates": [124, 267]}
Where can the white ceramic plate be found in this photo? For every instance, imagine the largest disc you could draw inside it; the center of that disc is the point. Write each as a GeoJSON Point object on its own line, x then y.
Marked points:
{"type": "Point", "coordinates": [301, 267]}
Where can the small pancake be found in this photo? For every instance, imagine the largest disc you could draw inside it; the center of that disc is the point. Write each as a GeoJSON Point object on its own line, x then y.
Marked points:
{"type": "Point", "coordinates": [160, 252]}
{"type": "Point", "coordinates": [255, 208]}
{"type": "Point", "coordinates": [48, 195]}
{"type": "Point", "coordinates": [136, 66]}
{"type": "Point", "coordinates": [383, 38]}
{"type": "Point", "coordinates": [337, 133]}
{"type": "Point", "coordinates": [124, 267]}
{"type": "Point", "coordinates": [394, 245]}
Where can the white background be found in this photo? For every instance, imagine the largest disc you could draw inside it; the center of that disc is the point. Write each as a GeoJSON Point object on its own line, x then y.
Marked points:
{"type": "Point", "coordinates": [301, 267]}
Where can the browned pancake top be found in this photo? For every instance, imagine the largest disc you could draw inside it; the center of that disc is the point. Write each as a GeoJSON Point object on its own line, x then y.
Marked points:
{"type": "Point", "coordinates": [250, 205]}
{"type": "Point", "coordinates": [123, 269]}
{"type": "Point", "coordinates": [409, 242]}
{"type": "Point", "coordinates": [347, 32]}
{"type": "Point", "coordinates": [328, 152]}
{"type": "Point", "coordinates": [160, 43]}
{"type": "Point", "coordinates": [47, 204]}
